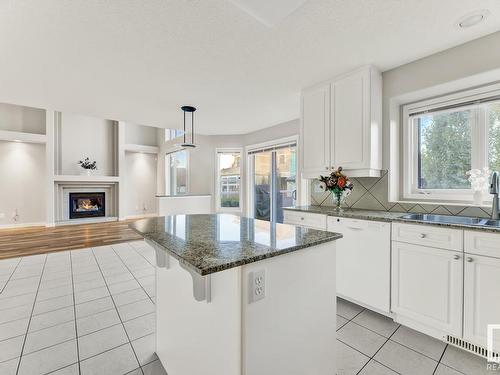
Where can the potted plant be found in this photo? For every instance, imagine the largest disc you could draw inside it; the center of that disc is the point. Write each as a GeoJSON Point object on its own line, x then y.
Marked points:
{"type": "Point", "coordinates": [338, 184]}
{"type": "Point", "coordinates": [88, 167]}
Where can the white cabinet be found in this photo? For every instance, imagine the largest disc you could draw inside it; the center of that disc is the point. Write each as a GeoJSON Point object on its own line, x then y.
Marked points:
{"type": "Point", "coordinates": [428, 235]}
{"type": "Point", "coordinates": [481, 283]}
{"type": "Point", "coordinates": [315, 130]}
{"type": "Point", "coordinates": [363, 262]}
{"type": "Point", "coordinates": [481, 299]}
{"type": "Point", "coordinates": [305, 219]}
{"type": "Point", "coordinates": [427, 285]}
{"type": "Point", "coordinates": [342, 125]}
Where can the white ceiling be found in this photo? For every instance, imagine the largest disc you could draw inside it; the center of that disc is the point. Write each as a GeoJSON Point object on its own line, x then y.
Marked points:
{"type": "Point", "coordinates": [139, 60]}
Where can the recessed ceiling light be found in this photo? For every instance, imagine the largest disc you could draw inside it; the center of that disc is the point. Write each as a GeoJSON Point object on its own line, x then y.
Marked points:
{"type": "Point", "coordinates": [472, 19]}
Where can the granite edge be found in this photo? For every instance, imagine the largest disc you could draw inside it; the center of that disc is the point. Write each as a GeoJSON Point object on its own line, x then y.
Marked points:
{"type": "Point", "coordinates": [333, 236]}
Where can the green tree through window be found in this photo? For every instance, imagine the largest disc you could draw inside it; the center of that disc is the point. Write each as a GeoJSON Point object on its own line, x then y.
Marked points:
{"type": "Point", "coordinates": [494, 136]}
{"type": "Point", "coordinates": [444, 150]}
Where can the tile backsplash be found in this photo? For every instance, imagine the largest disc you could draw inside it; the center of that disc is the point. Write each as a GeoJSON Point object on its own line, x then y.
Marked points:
{"type": "Point", "coordinates": [371, 193]}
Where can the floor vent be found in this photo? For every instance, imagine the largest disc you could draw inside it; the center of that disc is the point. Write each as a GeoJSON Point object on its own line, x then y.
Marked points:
{"type": "Point", "coordinates": [472, 348]}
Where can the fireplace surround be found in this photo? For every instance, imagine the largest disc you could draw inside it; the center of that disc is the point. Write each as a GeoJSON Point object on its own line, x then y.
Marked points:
{"type": "Point", "coordinates": [87, 205]}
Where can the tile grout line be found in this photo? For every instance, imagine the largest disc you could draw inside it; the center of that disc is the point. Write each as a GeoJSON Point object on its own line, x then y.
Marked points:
{"type": "Point", "coordinates": [74, 312]}
{"type": "Point", "coordinates": [119, 316]}
{"type": "Point", "coordinates": [31, 316]}
{"type": "Point", "coordinates": [146, 259]}
{"type": "Point", "coordinates": [135, 278]}
{"type": "Point", "coordinates": [12, 274]}
{"type": "Point", "coordinates": [440, 358]}
{"type": "Point", "coordinates": [379, 349]}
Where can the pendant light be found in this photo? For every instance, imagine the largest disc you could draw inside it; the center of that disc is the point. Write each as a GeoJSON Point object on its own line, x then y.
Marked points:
{"type": "Point", "coordinates": [188, 110]}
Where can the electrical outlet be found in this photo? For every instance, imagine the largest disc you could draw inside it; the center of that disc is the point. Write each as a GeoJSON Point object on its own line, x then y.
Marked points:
{"type": "Point", "coordinates": [256, 285]}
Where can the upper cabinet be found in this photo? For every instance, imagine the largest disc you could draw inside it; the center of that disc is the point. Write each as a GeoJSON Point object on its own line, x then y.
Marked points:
{"type": "Point", "coordinates": [341, 125]}
{"type": "Point", "coordinates": [316, 123]}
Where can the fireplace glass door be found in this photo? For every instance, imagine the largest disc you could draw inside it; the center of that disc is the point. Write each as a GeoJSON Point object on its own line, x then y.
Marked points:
{"type": "Point", "coordinates": [85, 205]}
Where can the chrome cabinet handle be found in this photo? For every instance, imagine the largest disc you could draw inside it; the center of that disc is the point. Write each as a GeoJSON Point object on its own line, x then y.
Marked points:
{"type": "Point", "coordinates": [326, 168]}
{"type": "Point", "coordinates": [456, 257]}
{"type": "Point", "coordinates": [423, 235]}
{"type": "Point", "coordinates": [302, 218]}
{"type": "Point", "coordinates": [469, 259]}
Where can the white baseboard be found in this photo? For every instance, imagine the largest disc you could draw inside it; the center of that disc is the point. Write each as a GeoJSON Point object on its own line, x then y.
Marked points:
{"type": "Point", "coordinates": [21, 225]}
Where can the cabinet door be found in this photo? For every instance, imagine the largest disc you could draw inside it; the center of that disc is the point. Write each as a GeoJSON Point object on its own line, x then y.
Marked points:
{"type": "Point", "coordinates": [363, 261]}
{"type": "Point", "coordinates": [315, 130]}
{"type": "Point", "coordinates": [427, 288]}
{"type": "Point", "coordinates": [481, 299]}
{"type": "Point", "coordinates": [350, 135]}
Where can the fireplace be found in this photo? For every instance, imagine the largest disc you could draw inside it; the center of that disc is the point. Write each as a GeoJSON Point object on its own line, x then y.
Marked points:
{"type": "Point", "coordinates": [83, 205]}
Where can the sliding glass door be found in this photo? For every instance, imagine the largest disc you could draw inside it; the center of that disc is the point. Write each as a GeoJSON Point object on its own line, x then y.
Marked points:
{"type": "Point", "coordinates": [273, 173]}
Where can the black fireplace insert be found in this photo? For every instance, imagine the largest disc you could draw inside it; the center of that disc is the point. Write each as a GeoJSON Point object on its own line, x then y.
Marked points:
{"type": "Point", "coordinates": [83, 205]}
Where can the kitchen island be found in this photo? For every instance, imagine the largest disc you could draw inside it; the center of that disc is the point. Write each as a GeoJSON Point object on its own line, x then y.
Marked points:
{"type": "Point", "coordinates": [236, 296]}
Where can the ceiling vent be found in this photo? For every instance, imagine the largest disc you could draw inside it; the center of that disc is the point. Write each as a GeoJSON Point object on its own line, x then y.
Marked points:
{"type": "Point", "coordinates": [269, 12]}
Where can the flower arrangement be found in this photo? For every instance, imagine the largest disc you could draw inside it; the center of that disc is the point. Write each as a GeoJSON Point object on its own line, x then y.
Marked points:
{"type": "Point", "coordinates": [479, 180]}
{"type": "Point", "coordinates": [339, 184]}
{"type": "Point", "coordinates": [88, 165]}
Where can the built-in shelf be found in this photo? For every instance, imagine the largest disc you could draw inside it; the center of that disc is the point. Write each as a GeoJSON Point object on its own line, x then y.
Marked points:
{"type": "Point", "coordinates": [13, 136]}
{"type": "Point", "coordinates": [85, 178]}
{"type": "Point", "coordinates": [130, 147]}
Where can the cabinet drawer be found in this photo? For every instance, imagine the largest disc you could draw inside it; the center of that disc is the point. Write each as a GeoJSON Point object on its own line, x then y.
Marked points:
{"type": "Point", "coordinates": [316, 221]}
{"type": "Point", "coordinates": [482, 243]}
{"type": "Point", "coordinates": [427, 235]}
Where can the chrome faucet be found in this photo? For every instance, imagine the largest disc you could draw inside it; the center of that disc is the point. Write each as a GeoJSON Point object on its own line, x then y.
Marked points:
{"type": "Point", "coordinates": [495, 189]}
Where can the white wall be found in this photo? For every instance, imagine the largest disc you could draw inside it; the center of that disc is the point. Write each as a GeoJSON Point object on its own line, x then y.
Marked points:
{"type": "Point", "coordinates": [140, 183]}
{"type": "Point", "coordinates": [22, 119]}
{"type": "Point", "coordinates": [82, 137]}
{"type": "Point", "coordinates": [202, 163]}
{"type": "Point", "coordinates": [22, 183]}
{"type": "Point", "coordinates": [141, 135]}
{"type": "Point", "coordinates": [477, 56]}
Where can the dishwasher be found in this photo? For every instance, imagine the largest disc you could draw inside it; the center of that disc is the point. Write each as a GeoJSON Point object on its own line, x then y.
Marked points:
{"type": "Point", "coordinates": [363, 262]}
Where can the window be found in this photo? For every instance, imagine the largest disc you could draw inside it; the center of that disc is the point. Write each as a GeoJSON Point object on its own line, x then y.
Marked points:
{"type": "Point", "coordinates": [173, 133]}
{"type": "Point", "coordinates": [229, 179]}
{"type": "Point", "coordinates": [176, 172]}
{"type": "Point", "coordinates": [272, 179]}
{"type": "Point", "coordinates": [444, 139]}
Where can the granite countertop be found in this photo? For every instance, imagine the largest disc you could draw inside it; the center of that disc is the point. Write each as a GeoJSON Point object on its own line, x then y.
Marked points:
{"type": "Point", "coordinates": [213, 243]}
{"type": "Point", "coordinates": [354, 213]}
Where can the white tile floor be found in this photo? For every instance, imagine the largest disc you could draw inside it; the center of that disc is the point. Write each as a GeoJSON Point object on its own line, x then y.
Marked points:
{"type": "Point", "coordinates": [371, 344]}
{"type": "Point", "coordinates": [86, 312]}
{"type": "Point", "coordinates": [90, 312]}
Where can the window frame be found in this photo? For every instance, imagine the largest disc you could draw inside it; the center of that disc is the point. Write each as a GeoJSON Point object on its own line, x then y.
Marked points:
{"type": "Point", "coordinates": [168, 172]}
{"type": "Point", "coordinates": [217, 191]}
{"type": "Point", "coordinates": [303, 192]}
{"type": "Point", "coordinates": [479, 143]}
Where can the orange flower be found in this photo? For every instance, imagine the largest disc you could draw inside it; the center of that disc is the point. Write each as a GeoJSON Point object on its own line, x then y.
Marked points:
{"type": "Point", "coordinates": [341, 182]}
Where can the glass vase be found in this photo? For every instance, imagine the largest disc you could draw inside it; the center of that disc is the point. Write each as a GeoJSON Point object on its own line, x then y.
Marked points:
{"type": "Point", "coordinates": [338, 199]}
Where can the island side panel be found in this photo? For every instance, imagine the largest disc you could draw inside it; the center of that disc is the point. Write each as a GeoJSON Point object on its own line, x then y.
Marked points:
{"type": "Point", "coordinates": [193, 337]}
{"type": "Point", "coordinates": [292, 330]}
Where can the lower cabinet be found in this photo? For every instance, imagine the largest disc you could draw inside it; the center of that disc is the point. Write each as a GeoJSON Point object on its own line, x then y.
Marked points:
{"type": "Point", "coordinates": [427, 288]}
{"type": "Point", "coordinates": [481, 299]}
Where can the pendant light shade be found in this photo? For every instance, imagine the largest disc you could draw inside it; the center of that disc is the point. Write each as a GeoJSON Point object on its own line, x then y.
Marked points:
{"type": "Point", "coordinates": [188, 112]}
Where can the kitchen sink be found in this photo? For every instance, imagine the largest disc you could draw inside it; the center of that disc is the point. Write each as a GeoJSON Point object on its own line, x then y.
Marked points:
{"type": "Point", "coordinates": [462, 220]}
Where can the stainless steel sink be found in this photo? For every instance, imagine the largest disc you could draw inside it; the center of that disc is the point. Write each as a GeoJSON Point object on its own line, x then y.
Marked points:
{"type": "Point", "coordinates": [462, 220]}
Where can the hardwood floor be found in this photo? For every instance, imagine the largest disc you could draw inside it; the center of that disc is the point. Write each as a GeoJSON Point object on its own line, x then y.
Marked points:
{"type": "Point", "coordinates": [38, 240]}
